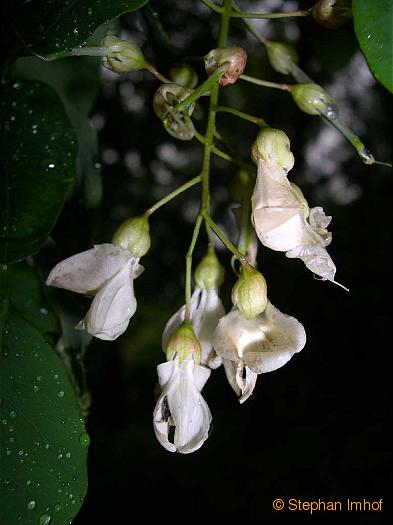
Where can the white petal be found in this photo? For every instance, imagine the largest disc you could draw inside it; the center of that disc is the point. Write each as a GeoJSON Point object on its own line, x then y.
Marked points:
{"type": "Point", "coordinates": [241, 378]}
{"type": "Point", "coordinates": [316, 258]}
{"type": "Point", "coordinates": [88, 271]}
{"type": "Point", "coordinates": [204, 320]}
{"type": "Point", "coordinates": [188, 411]}
{"type": "Point", "coordinates": [113, 306]}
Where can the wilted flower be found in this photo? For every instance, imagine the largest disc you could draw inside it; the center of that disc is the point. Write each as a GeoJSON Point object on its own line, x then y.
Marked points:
{"type": "Point", "coordinates": [107, 271]}
{"type": "Point", "coordinates": [234, 57]}
{"type": "Point", "coordinates": [181, 405]}
{"type": "Point", "coordinates": [250, 347]}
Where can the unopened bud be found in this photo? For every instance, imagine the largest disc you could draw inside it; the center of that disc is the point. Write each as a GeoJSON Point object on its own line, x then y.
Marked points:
{"type": "Point", "coordinates": [182, 343]}
{"type": "Point", "coordinates": [177, 123]}
{"type": "Point", "coordinates": [281, 56]}
{"type": "Point", "coordinates": [122, 56]}
{"type": "Point", "coordinates": [184, 75]}
{"type": "Point", "coordinates": [273, 145]}
{"type": "Point", "coordinates": [133, 235]}
{"type": "Point", "coordinates": [250, 292]}
{"type": "Point", "coordinates": [313, 99]}
{"type": "Point", "coordinates": [332, 13]}
{"type": "Point", "coordinates": [236, 59]}
{"type": "Point", "coordinates": [209, 273]}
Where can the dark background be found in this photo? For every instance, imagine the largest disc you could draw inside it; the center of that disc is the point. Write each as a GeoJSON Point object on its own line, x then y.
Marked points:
{"type": "Point", "coordinates": [320, 426]}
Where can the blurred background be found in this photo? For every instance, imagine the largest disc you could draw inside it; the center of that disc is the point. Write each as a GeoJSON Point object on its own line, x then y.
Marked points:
{"type": "Point", "coordinates": [320, 426]}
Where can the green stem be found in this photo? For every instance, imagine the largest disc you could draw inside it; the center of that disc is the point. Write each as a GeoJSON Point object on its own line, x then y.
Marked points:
{"type": "Point", "coordinates": [223, 238]}
{"type": "Point", "coordinates": [194, 238]}
{"type": "Point", "coordinates": [157, 74]}
{"type": "Point", "coordinates": [173, 194]}
{"type": "Point", "coordinates": [237, 14]}
{"type": "Point", "coordinates": [217, 151]}
{"type": "Point", "coordinates": [246, 116]}
{"type": "Point", "coordinates": [203, 88]}
{"type": "Point", "coordinates": [265, 83]}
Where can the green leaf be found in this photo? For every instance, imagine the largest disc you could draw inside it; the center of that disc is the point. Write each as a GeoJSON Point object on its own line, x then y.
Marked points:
{"type": "Point", "coordinates": [65, 25]}
{"type": "Point", "coordinates": [43, 437]}
{"type": "Point", "coordinates": [373, 28]}
{"type": "Point", "coordinates": [39, 150]}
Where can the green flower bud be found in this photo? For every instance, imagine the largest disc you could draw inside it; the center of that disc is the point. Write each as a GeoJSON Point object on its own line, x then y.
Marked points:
{"type": "Point", "coordinates": [250, 292]}
{"type": "Point", "coordinates": [184, 75]}
{"type": "Point", "coordinates": [133, 235]}
{"type": "Point", "coordinates": [313, 99]}
{"type": "Point", "coordinates": [332, 13]}
{"type": "Point", "coordinates": [209, 273]}
{"type": "Point", "coordinates": [236, 58]}
{"type": "Point", "coordinates": [273, 145]}
{"type": "Point", "coordinates": [122, 56]}
{"type": "Point", "coordinates": [183, 342]}
{"type": "Point", "coordinates": [281, 56]}
{"type": "Point", "coordinates": [242, 186]}
{"type": "Point", "coordinates": [177, 123]}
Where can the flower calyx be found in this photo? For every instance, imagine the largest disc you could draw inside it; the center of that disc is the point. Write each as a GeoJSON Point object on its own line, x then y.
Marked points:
{"type": "Point", "coordinates": [133, 235]}
{"type": "Point", "coordinates": [273, 145]}
{"type": "Point", "coordinates": [249, 293]}
{"type": "Point", "coordinates": [209, 273]}
{"type": "Point", "coordinates": [183, 343]}
{"type": "Point", "coordinates": [122, 56]}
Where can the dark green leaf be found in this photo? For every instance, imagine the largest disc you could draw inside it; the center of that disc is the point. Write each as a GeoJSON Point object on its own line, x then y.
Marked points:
{"type": "Point", "coordinates": [39, 150]}
{"type": "Point", "coordinates": [373, 27]}
{"type": "Point", "coordinates": [43, 438]}
{"type": "Point", "coordinates": [65, 25]}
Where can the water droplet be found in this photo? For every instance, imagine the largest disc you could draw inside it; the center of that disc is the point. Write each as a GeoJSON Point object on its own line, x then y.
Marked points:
{"type": "Point", "coordinates": [51, 165]}
{"type": "Point", "coordinates": [61, 393]}
{"type": "Point", "coordinates": [45, 519]}
{"type": "Point", "coordinates": [36, 388]}
{"type": "Point", "coordinates": [75, 31]}
{"type": "Point", "coordinates": [21, 452]}
{"type": "Point", "coordinates": [84, 439]}
{"type": "Point", "coordinates": [39, 378]}
{"type": "Point", "coordinates": [43, 311]}
{"type": "Point", "coordinates": [56, 376]}
{"type": "Point", "coordinates": [68, 455]}
{"type": "Point", "coordinates": [8, 452]}
{"type": "Point", "coordinates": [31, 505]}
{"type": "Point", "coordinates": [13, 414]}
{"type": "Point", "coordinates": [57, 508]}
{"type": "Point", "coordinates": [47, 446]}
{"type": "Point", "coordinates": [60, 456]}
{"type": "Point", "coordinates": [28, 482]}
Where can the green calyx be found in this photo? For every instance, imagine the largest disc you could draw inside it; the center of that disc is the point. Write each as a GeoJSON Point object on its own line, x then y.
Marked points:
{"type": "Point", "coordinates": [273, 145]}
{"type": "Point", "coordinates": [209, 273]}
{"type": "Point", "coordinates": [133, 235]}
{"type": "Point", "coordinates": [312, 99]}
{"type": "Point", "coordinates": [250, 292]}
{"type": "Point", "coordinates": [122, 56]}
{"type": "Point", "coordinates": [182, 343]}
{"type": "Point", "coordinates": [281, 56]}
{"type": "Point", "coordinates": [184, 75]}
{"type": "Point", "coordinates": [332, 13]}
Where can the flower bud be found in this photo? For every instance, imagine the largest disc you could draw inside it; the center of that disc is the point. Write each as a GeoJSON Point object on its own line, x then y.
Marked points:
{"type": "Point", "coordinates": [177, 123]}
{"type": "Point", "coordinates": [209, 273]}
{"type": "Point", "coordinates": [184, 75]}
{"type": "Point", "coordinates": [332, 13]}
{"type": "Point", "coordinates": [250, 292]}
{"type": "Point", "coordinates": [281, 56]}
{"type": "Point", "coordinates": [273, 145]}
{"type": "Point", "coordinates": [133, 235]}
{"type": "Point", "coordinates": [236, 59]}
{"type": "Point", "coordinates": [313, 99]}
{"type": "Point", "coordinates": [122, 56]}
{"type": "Point", "coordinates": [183, 342]}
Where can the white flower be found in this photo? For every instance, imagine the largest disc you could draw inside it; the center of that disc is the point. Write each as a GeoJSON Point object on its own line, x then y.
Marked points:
{"type": "Point", "coordinates": [106, 271]}
{"type": "Point", "coordinates": [279, 215]}
{"type": "Point", "coordinates": [205, 311]}
{"type": "Point", "coordinates": [256, 346]}
{"type": "Point", "coordinates": [181, 405]}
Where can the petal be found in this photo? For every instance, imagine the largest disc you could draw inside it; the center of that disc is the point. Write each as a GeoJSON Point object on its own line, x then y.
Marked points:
{"type": "Point", "coordinates": [241, 378]}
{"type": "Point", "coordinates": [113, 306]}
{"type": "Point", "coordinates": [277, 214]}
{"type": "Point", "coordinates": [204, 320]}
{"type": "Point", "coordinates": [182, 405]}
{"type": "Point", "coordinates": [89, 270]}
{"type": "Point", "coordinates": [226, 335]}
{"type": "Point", "coordinates": [281, 336]}
{"type": "Point", "coordinates": [316, 258]}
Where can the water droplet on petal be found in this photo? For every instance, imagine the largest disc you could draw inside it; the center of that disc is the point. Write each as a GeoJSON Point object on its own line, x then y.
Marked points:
{"type": "Point", "coordinates": [84, 439]}
{"type": "Point", "coordinates": [31, 505]}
